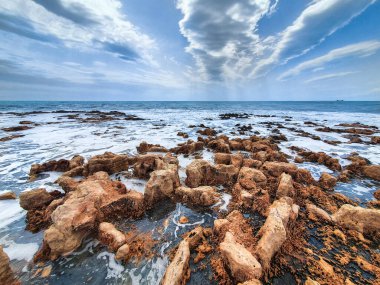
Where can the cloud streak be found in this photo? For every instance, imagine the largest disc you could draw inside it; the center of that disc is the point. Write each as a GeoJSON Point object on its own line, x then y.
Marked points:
{"type": "Point", "coordinates": [361, 49]}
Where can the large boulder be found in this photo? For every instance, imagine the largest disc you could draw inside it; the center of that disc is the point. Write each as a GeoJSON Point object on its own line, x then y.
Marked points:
{"type": "Point", "coordinates": [285, 186]}
{"type": "Point", "coordinates": [35, 199]}
{"type": "Point", "coordinates": [146, 164]}
{"type": "Point", "coordinates": [372, 171]}
{"type": "Point", "coordinates": [161, 185]}
{"type": "Point", "coordinates": [111, 236]}
{"type": "Point", "coordinates": [198, 173]}
{"type": "Point", "coordinates": [242, 264]}
{"type": "Point", "coordinates": [327, 181]}
{"type": "Point", "coordinates": [225, 174]}
{"type": "Point", "coordinates": [6, 275]}
{"type": "Point", "coordinates": [363, 220]}
{"type": "Point", "coordinates": [249, 178]}
{"type": "Point", "coordinates": [95, 200]}
{"type": "Point", "coordinates": [277, 168]}
{"type": "Point", "coordinates": [202, 195]}
{"type": "Point", "coordinates": [273, 233]}
{"type": "Point", "coordinates": [178, 270]}
{"type": "Point", "coordinates": [107, 162]}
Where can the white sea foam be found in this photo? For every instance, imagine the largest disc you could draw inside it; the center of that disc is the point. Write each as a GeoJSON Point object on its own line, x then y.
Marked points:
{"type": "Point", "coordinates": [10, 211]}
{"type": "Point", "coordinates": [21, 251]}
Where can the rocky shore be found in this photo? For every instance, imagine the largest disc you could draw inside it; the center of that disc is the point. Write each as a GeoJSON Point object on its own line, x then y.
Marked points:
{"type": "Point", "coordinates": [277, 211]}
{"type": "Point", "coordinates": [264, 218]}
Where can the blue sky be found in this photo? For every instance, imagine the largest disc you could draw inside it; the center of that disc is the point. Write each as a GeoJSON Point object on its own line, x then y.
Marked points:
{"type": "Point", "coordinates": [189, 50]}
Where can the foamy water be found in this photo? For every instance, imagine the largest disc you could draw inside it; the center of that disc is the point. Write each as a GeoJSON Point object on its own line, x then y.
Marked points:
{"type": "Point", "coordinates": [58, 137]}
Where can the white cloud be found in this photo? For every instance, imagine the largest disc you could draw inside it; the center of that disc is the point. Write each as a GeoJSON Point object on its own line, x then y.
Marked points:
{"type": "Point", "coordinates": [222, 34]}
{"type": "Point", "coordinates": [361, 49]}
{"type": "Point", "coordinates": [318, 21]}
{"type": "Point", "coordinates": [103, 25]}
{"type": "Point", "coordinates": [329, 76]}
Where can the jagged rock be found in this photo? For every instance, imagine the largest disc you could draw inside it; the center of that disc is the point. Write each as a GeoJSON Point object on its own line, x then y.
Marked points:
{"type": "Point", "coordinates": [285, 186]}
{"type": "Point", "coordinates": [327, 181]}
{"type": "Point", "coordinates": [111, 236]}
{"type": "Point", "coordinates": [224, 174]}
{"type": "Point", "coordinates": [194, 237]}
{"type": "Point", "coordinates": [219, 225]}
{"type": "Point", "coordinates": [277, 168]}
{"type": "Point", "coordinates": [202, 195]}
{"type": "Point", "coordinates": [67, 183]}
{"type": "Point", "coordinates": [363, 220]}
{"type": "Point", "coordinates": [310, 281]}
{"type": "Point", "coordinates": [316, 213]}
{"type": "Point", "coordinates": [372, 171]}
{"type": "Point", "coordinates": [9, 195]}
{"type": "Point", "coordinates": [35, 199]}
{"type": "Point", "coordinates": [249, 178]}
{"type": "Point", "coordinates": [219, 145]}
{"type": "Point", "coordinates": [229, 159]}
{"type": "Point", "coordinates": [188, 148]}
{"type": "Point", "coordinates": [376, 194]}
{"type": "Point", "coordinates": [198, 173]}
{"type": "Point", "coordinates": [251, 282]}
{"type": "Point", "coordinates": [95, 200]}
{"type": "Point", "coordinates": [123, 252]}
{"type": "Point", "coordinates": [242, 264]}
{"type": "Point", "coordinates": [107, 162]}
{"type": "Point", "coordinates": [61, 165]}
{"type": "Point", "coordinates": [161, 185]}
{"type": "Point", "coordinates": [144, 147]}
{"type": "Point", "coordinates": [178, 270]}
{"type": "Point", "coordinates": [145, 164]}
{"type": "Point", "coordinates": [207, 132]}
{"type": "Point", "coordinates": [76, 171]}
{"type": "Point", "coordinates": [6, 275]}
{"type": "Point", "coordinates": [273, 232]}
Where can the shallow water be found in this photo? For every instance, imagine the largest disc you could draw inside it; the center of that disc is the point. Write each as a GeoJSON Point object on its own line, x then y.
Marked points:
{"type": "Point", "coordinates": [59, 137]}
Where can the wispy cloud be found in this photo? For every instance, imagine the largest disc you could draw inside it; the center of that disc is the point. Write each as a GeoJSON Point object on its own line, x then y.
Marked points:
{"type": "Point", "coordinates": [331, 75]}
{"type": "Point", "coordinates": [318, 21]}
{"type": "Point", "coordinates": [361, 49]}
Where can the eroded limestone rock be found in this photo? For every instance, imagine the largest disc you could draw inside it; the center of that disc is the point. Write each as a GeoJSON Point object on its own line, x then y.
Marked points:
{"type": "Point", "coordinates": [178, 270]}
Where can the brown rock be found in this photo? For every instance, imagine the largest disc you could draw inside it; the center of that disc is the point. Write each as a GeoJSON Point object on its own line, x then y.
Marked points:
{"type": "Point", "coordinates": [202, 195]}
{"type": "Point", "coordinates": [372, 171]}
{"type": "Point", "coordinates": [376, 194]}
{"type": "Point", "coordinates": [277, 168]}
{"type": "Point", "coordinates": [222, 158]}
{"type": "Point", "coordinates": [145, 164]}
{"type": "Point", "coordinates": [363, 220]}
{"type": "Point", "coordinates": [6, 274]}
{"type": "Point", "coordinates": [35, 199]}
{"type": "Point", "coordinates": [317, 213]}
{"type": "Point", "coordinates": [251, 282]}
{"type": "Point", "coordinates": [219, 145]}
{"type": "Point", "coordinates": [123, 252]}
{"type": "Point", "coordinates": [183, 220]}
{"type": "Point", "coordinates": [273, 232]}
{"type": "Point", "coordinates": [285, 186]}
{"type": "Point", "coordinates": [249, 178]}
{"type": "Point", "coordinates": [177, 271]}
{"type": "Point", "coordinates": [310, 281]}
{"type": "Point", "coordinates": [242, 264]}
{"type": "Point", "coordinates": [110, 236]}
{"type": "Point", "coordinates": [9, 195]}
{"type": "Point", "coordinates": [189, 147]}
{"type": "Point", "coordinates": [144, 147]}
{"type": "Point", "coordinates": [107, 162]}
{"type": "Point", "coordinates": [327, 181]}
{"type": "Point", "coordinates": [225, 174]}
{"type": "Point", "coordinates": [67, 183]}
{"type": "Point", "coordinates": [198, 173]}
{"type": "Point", "coordinates": [161, 185]}
{"type": "Point", "coordinates": [194, 237]}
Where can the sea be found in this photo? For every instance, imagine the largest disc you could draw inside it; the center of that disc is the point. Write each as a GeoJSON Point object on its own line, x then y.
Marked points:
{"type": "Point", "coordinates": [55, 136]}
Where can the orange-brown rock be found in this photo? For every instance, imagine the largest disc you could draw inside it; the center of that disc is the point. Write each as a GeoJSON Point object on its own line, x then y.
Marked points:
{"type": "Point", "coordinates": [161, 185]}
{"type": "Point", "coordinates": [376, 194]}
{"type": "Point", "coordinates": [123, 252]}
{"type": "Point", "coordinates": [285, 186]}
{"type": "Point", "coordinates": [189, 147]}
{"type": "Point", "coordinates": [202, 195]}
{"type": "Point", "coordinates": [249, 178]}
{"type": "Point", "coordinates": [327, 181]}
{"type": "Point", "coordinates": [6, 275]}
{"type": "Point", "coordinates": [61, 165]}
{"type": "Point", "coordinates": [95, 200]}
{"type": "Point", "coordinates": [273, 233]}
{"type": "Point", "coordinates": [111, 236]}
{"type": "Point", "coordinates": [145, 147]}
{"type": "Point", "coordinates": [316, 213]}
{"type": "Point", "coordinates": [67, 183]}
{"type": "Point", "coordinates": [107, 162]}
{"type": "Point", "coordinates": [372, 171]}
{"type": "Point", "coordinates": [251, 282]}
{"type": "Point", "coordinates": [35, 199]}
{"type": "Point", "coordinates": [145, 164]}
{"type": "Point", "coordinates": [227, 158]}
{"type": "Point", "coordinates": [277, 168]}
{"type": "Point", "coordinates": [199, 172]}
{"type": "Point", "coordinates": [242, 264]}
{"type": "Point", "coordinates": [224, 174]}
{"type": "Point", "coordinates": [9, 195]}
{"type": "Point", "coordinates": [177, 271]}
{"type": "Point", "coordinates": [219, 145]}
{"type": "Point", "coordinates": [363, 220]}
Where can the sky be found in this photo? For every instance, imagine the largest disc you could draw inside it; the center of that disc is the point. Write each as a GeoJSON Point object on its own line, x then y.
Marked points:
{"type": "Point", "coordinates": [190, 50]}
